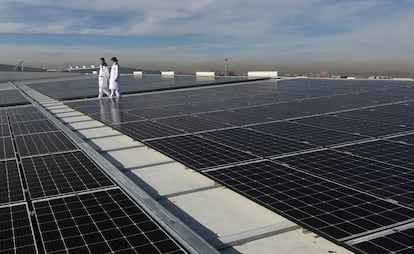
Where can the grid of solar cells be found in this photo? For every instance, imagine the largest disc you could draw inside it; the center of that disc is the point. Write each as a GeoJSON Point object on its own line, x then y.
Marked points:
{"type": "Point", "coordinates": [377, 178]}
{"type": "Point", "coordinates": [62, 173]}
{"type": "Point", "coordinates": [3, 119]}
{"type": "Point", "coordinates": [257, 143]}
{"type": "Point", "coordinates": [402, 108]}
{"type": "Point", "coordinates": [152, 113]}
{"type": "Point", "coordinates": [11, 98]}
{"type": "Point", "coordinates": [22, 110]}
{"type": "Point", "coordinates": [82, 88]}
{"type": "Point", "coordinates": [11, 189]}
{"type": "Point", "coordinates": [271, 112]}
{"type": "Point", "coordinates": [309, 134]}
{"type": "Point", "coordinates": [146, 130]}
{"type": "Point", "coordinates": [100, 222]}
{"type": "Point", "coordinates": [23, 128]}
{"type": "Point", "coordinates": [4, 130]}
{"type": "Point", "coordinates": [116, 117]}
{"type": "Point", "coordinates": [26, 117]}
{"type": "Point", "coordinates": [399, 242]}
{"type": "Point", "coordinates": [389, 152]}
{"type": "Point", "coordinates": [409, 139]}
{"type": "Point", "coordinates": [199, 153]}
{"type": "Point", "coordinates": [228, 117]}
{"type": "Point", "coordinates": [378, 116]}
{"type": "Point", "coordinates": [328, 208]}
{"type": "Point", "coordinates": [16, 231]}
{"type": "Point", "coordinates": [352, 126]}
{"type": "Point", "coordinates": [191, 124]}
{"type": "Point", "coordinates": [6, 148]}
{"type": "Point", "coordinates": [43, 143]}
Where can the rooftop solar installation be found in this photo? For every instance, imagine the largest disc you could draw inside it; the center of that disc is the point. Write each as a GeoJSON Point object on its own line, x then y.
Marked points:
{"type": "Point", "coordinates": [83, 88]}
{"type": "Point", "coordinates": [11, 189]}
{"type": "Point", "coordinates": [200, 153]}
{"type": "Point", "coordinates": [55, 199]}
{"type": "Point", "coordinates": [62, 173]}
{"type": "Point", "coordinates": [398, 242]}
{"type": "Point", "coordinates": [16, 230]}
{"type": "Point", "coordinates": [332, 209]}
{"type": "Point", "coordinates": [30, 127]}
{"type": "Point", "coordinates": [371, 176]}
{"type": "Point", "coordinates": [408, 139]}
{"type": "Point", "coordinates": [11, 98]}
{"type": "Point", "coordinates": [6, 148]}
{"type": "Point", "coordinates": [100, 222]}
{"type": "Point", "coordinates": [256, 143]}
{"type": "Point", "coordinates": [334, 156]}
{"type": "Point", "coordinates": [43, 143]}
{"type": "Point", "coordinates": [4, 130]}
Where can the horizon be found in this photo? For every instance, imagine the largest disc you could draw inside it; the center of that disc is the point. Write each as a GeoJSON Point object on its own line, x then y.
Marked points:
{"type": "Point", "coordinates": [292, 36]}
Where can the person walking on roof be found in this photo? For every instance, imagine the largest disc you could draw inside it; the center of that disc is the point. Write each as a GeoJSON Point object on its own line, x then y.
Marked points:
{"type": "Point", "coordinates": [114, 80]}
{"type": "Point", "coordinates": [103, 78]}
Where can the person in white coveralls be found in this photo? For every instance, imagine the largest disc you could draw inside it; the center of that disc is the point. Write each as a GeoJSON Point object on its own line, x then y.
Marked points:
{"type": "Point", "coordinates": [114, 79]}
{"type": "Point", "coordinates": [103, 78]}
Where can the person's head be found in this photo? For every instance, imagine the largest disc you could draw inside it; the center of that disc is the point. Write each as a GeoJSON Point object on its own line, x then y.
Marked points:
{"type": "Point", "coordinates": [103, 61]}
{"type": "Point", "coordinates": [114, 60]}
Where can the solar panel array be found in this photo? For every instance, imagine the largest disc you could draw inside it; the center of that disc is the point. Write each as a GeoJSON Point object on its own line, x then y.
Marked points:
{"type": "Point", "coordinates": [334, 156]}
{"type": "Point", "coordinates": [83, 88]}
{"type": "Point", "coordinates": [11, 97]}
{"type": "Point", "coordinates": [54, 199]}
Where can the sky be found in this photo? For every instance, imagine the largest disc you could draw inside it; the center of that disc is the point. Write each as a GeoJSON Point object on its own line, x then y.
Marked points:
{"type": "Point", "coordinates": [188, 35]}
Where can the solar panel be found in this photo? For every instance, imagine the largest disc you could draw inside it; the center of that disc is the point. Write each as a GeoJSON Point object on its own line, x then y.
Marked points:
{"type": "Point", "coordinates": [43, 143]}
{"type": "Point", "coordinates": [15, 230]}
{"type": "Point", "coordinates": [82, 88]}
{"type": "Point", "coordinates": [29, 117]}
{"type": "Point", "coordinates": [11, 98]}
{"type": "Point", "coordinates": [409, 139]}
{"type": "Point", "coordinates": [100, 222]}
{"type": "Point", "coordinates": [22, 110]}
{"type": "Point", "coordinates": [11, 189]}
{"type": "Point", "coordinates": [352, 126]}
{"type": "Point", "coordinates": [191, 124]}
{"type": "Point", "coordinates": [62, 173]}
{"type": "Point", "coordinates": [33, 127]}
{"type": "Point", "coordinates": [228, 117]}
{"type": "Point", "coordinates": [398, 242]}
{"type": "Point", "coordinates": [6, 148]}
{"type": "Point", "coordinates": [385, 151]}
{"type": "Point", "coordinates": [380, 117]}
{"type": "Point", "coordinates": [3, 120]}
{"type": "Point", "coordinates": [325, 207]}
{"type": "Point", "coordinates": [254, 142]}
{"type": "Point", "coordinates": [146, 130]}
{"type": "Point", "coordinates": [270, 112]}
{"type": "Point", "coordinates": [199, 153]}
{"type": "Point", "coordinates": [388, 182]}
{"type": "Point", "coordinates": [4, 130]}
{"type": "Point", "coordinates": [152, 113]}
{"type": "Point", "coordinates": [116, 117]}
{"type": "Point", "coordinates": [401, 109]}
{"type": "Point", "coordinates": [309, 134]}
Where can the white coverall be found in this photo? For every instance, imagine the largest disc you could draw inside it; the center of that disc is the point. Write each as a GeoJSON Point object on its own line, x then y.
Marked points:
{"type": "Point", "coordinates": [103, 78]}
{"type": "Point", "coordinates": [114, 80]}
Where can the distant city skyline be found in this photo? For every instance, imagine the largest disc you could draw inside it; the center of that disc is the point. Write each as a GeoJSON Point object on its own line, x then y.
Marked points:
{"type": "Point", "coordinates": [294, 36]}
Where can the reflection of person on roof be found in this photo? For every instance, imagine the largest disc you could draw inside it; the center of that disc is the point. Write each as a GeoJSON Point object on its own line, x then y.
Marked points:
{"type": "Point", "coordinates": [103, 78]}
{"type": "Point", "coordinates": [115, 112]}
{"type": "Point", "coordinates": [114, 80]}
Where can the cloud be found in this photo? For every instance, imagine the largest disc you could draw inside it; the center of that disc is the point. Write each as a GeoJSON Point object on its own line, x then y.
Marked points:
{"type": "Point", "coordinates": [305, 31]}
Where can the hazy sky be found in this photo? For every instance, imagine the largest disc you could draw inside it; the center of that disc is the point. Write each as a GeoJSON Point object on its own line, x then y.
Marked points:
{"type": "Point", "coordinates": [292, 35]}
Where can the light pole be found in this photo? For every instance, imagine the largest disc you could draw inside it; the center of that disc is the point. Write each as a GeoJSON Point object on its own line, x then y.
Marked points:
{"type": "Point", "coordinates": [225, 66]}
